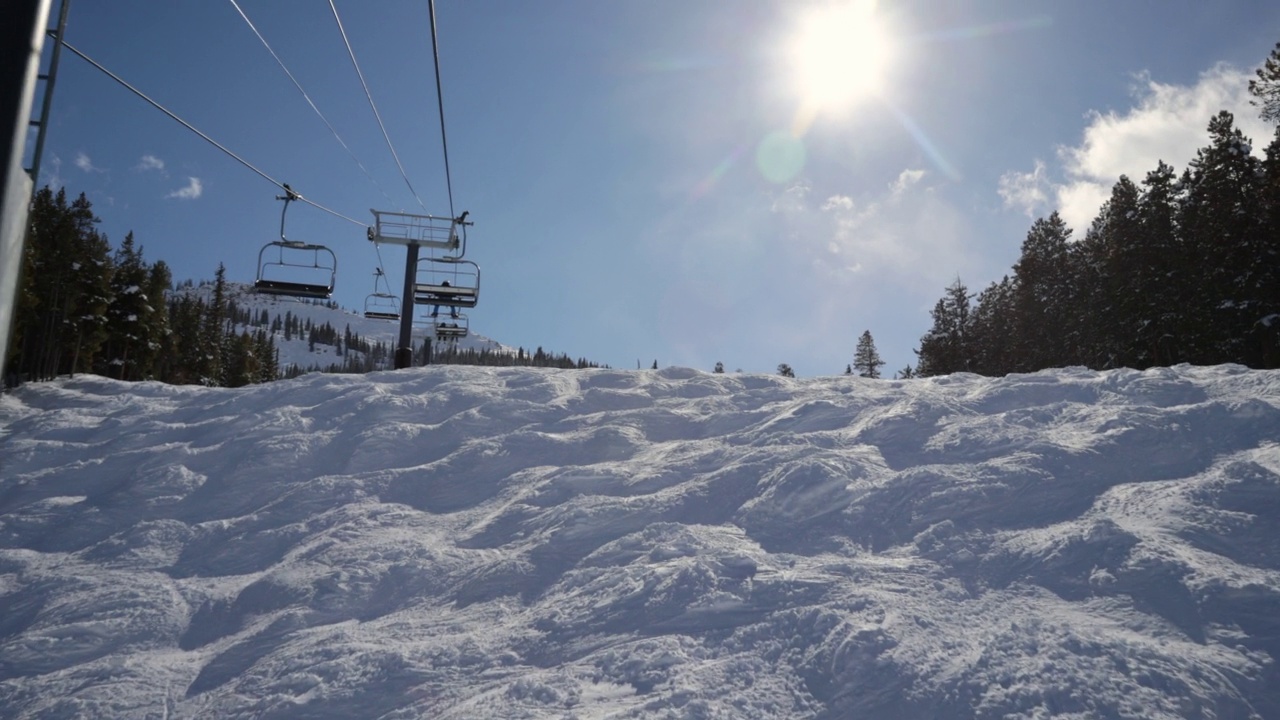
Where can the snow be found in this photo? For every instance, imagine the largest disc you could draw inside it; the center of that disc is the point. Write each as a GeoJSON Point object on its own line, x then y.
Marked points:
{"type": "Point", "coordinates": [462, 542]}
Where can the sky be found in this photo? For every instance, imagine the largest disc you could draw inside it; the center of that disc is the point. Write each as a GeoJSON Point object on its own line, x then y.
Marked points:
{"type": "Point", "coordinates": [685, 182]}
{"type": "Point", "coordinates": [464, 542]}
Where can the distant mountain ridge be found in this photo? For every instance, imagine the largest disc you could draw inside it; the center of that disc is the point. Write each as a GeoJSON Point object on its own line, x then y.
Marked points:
{"type": "Point", "coordinates": [299, 351]}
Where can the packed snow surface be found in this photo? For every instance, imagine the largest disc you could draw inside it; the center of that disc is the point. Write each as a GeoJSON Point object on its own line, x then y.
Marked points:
{"type": "Point", "coordinates": [461, 542]}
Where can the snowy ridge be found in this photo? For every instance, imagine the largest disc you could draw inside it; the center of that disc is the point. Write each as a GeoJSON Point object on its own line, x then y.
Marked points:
{"type": "Point", "coordinates": [462, 542]}
{"type": "Point", "coordinates": [297, 351]}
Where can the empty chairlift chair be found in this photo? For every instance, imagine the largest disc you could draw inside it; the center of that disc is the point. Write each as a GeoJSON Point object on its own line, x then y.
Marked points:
{"type": "Point", "coordinates": [289, 274]}
{"type": "Point", "coordinates": [295, 268]}
{"type": "Point", "coordinates": [381, 305]}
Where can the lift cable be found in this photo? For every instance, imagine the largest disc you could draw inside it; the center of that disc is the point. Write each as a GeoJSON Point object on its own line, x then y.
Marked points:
{"type": "Point", "coordinates": [378, 250]}
{"type": "Point", "coordinates": [309, 101]}
{"type": "Point", "coordinates": [208, 139]}
{"type": "Point", "coordinates": [369, 95]}
{"type": "Point", "coordinates": [444, 142]}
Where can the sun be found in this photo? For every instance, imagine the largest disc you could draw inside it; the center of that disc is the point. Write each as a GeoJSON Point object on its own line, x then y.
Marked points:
{"type": "Point", "coordinates": [839, 53]}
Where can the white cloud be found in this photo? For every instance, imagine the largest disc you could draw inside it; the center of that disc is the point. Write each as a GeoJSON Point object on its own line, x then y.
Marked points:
{"type": "Point", "coordinates": [838, 202]}
{"type": "Point", "coordinates": [1028, 192]}
{"type": "Point", "coordinates": [1167, 122]}
{"type": "Point", "coordinates": [1079, 202]}
{"type": "Point", "coordinates": [792, 200]}
{"type": "Point", "coordinates": [84, 163]}
{"type": "Point", "coordinates": [192, 191]}
{"type": "Point", "coordinates": [53, 172]}
{"type": "Point", "coordinates": [906, 180]}
{"type": "Point", "coordinates": [899, 235]}
{"type": "Point", "coordinates": [149, 162]}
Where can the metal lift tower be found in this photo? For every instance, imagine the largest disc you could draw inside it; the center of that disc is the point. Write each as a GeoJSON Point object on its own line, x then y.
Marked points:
{"type": "Point", "coordinates": [414, 232]}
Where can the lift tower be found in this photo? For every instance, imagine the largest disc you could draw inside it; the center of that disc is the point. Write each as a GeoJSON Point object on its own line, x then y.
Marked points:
{"type": "Point", "coordinates": [446, 236]}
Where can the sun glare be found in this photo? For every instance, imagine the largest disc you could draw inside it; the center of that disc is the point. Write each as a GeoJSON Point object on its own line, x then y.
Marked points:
{"type": "Point", "coordinates": [839, 54]}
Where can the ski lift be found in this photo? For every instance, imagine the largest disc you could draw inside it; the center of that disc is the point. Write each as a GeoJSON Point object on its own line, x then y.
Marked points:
{"type": "Point", "coordinates": [448, 283]}
{"type": "Point", "coordinates": [381, 305]}
{"type": "Point", "coordinates": [289, 272]}
{"type": "Point", "coordinates": [448, 235]}
{"type": "Point", "coordinates": [452, 328]}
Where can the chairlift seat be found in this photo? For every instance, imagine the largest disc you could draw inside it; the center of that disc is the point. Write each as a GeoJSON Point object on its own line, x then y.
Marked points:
{"type": "Point", "coordinates": [280, 287]}
{"type": "Point", "coordinates": [379, 315]}
{"type": "Point", "coordinates": [446, 295]}
{"type": "Point", "coordinates": [449, 331]}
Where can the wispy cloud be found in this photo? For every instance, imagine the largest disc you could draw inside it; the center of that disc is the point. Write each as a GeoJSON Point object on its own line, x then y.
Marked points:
{"type": "Point", "coordinates": [52, 172]}
{"type": "Point", "coordinates": [193, 190]}
{"type": "Point", "coordinates": [1027, 192]}
{"type": "Point", "coordinates": [84, 163]}
{"type": "Point", "coordinates": [149, 162]}
{"type": "Point", "coordinates": [1167, 122]}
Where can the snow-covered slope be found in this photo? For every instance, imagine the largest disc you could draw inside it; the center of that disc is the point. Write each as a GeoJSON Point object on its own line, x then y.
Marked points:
{"type": "Point", "coordinates": [460, 542]}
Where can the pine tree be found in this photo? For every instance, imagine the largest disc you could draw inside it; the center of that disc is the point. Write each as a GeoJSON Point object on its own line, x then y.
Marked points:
{"type": "Point", "coordinates": [213, 347]}
{"type": "Point", "coordinates": [1043, 296]}
{"type": "Point", "coordinates": [944, 349]}
{"type": "Point", "coordinates": [159, 350]}
{"type": "Point", "coordinates": [993, 323]}
{"type": "Point", "coordinates": [1265, 332]}
{"type": "Point", "coordinates": [719, 368]}
{"type": "Point", "coordinates": [785, 370]}
{"type": "Point", "coordinates": [128, 352]}
{"type": "Point", "coordinates": [1266, 89]}
{"type": "Point", "coordinates": [865, 359]}
{"type": "Point", "coordinates": [1222, 232]}
{"type": "Point", "coordinates": [1160, 273]}
{"type": "Point", "coordinates": [62, 302]}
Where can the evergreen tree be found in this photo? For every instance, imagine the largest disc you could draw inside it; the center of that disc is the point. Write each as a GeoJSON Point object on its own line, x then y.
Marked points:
{"type": "Point", "coordinates": [186, 318]}
{"type": "Point", "coordinates": [905, 373]}
{"type": "Point", "coordinates": [1266, 88]}
{"type": "Point", "coordinates": [213, 349]}
{"type": "Point", "coordinates": [865, 359]}
{"type": "Point", "coordinates": [785, 370]}
{"type": "Point", "coordinates": [60, 323]}
{"type": "Point", "coordinates": [1264, 347]}
{"type": "Point", "coordinates": [159, 351]}
{"type": "Point", "coordinates": [1161, 273]}
{"type": "Point", "coordinates": [719, 368]}
{"type": "Point", "coordinates": [129, 352]}
{"type": "Point", "coordinates": [993, 323]}
{"type": "Point", "coordinates": [1222, 232]}
{"type": "Point", "coordinates": [1042, 294]}
{"type": "Point", "coordinates": [944, 349]}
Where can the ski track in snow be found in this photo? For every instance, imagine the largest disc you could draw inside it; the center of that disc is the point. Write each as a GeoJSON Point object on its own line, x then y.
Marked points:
{"type": "Point", "coordinates": [461, 542]}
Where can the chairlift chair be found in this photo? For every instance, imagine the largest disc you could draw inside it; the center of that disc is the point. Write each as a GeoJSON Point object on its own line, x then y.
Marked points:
{"type": "Point", "coordinates": [381, 305]}
{"type": "Point", "coordinates": [289, 272]}
{"type": "Point", "coordinates": [447, 283]}
{"type": "Point", "coordinates": [450, 329]}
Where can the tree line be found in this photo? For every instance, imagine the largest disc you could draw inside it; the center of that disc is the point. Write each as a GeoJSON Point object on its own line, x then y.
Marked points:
{"type": "Point", "coordinates": [84, 308]}
{"type": "Point", "coordinates": [1176, 268]}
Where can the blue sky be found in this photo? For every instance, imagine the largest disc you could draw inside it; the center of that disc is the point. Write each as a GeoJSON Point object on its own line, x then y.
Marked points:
{"type": "Point", "coordinates": [643, 182]}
